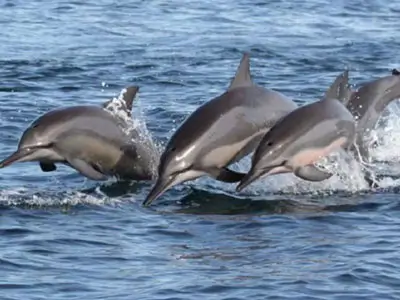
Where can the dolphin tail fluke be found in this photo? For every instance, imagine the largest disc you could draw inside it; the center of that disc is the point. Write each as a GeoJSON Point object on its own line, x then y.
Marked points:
{"type": "Point", "coordinates": [226, 175]}
{"type": "Point", "coordinates": [340, 89]}
{"type": "Point", "coordinates": [243, 75]}
{"type": "Point", "coordinates": [312, 173]}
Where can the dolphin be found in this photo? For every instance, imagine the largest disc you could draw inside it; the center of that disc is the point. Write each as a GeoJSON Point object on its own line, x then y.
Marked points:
{"type": "Point", "coordinates": [367, 104]}
{"type": "Point", "coordinates": [305, 135]}
{"type": "Point", "coordinates": [220, 132]}
{"type": "Point", "coordinates": [89, 139]}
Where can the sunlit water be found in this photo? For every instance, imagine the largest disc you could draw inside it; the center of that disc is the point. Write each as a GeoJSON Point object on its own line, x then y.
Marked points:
{"type": "Point", "coordinates": [65, 237]}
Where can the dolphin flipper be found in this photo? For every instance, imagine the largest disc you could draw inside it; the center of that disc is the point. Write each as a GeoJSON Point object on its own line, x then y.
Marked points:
{"type": "Point", "coordinates": [226, 175]}
{"type": "Point", "coordinates": [312, 173]}
{"type": "Point", "coordinates": [85, 169]}
{"type": "Point", "coordinates": [47, 167]}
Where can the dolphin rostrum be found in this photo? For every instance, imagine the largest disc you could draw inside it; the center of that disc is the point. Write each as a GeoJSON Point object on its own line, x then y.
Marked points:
{"type": "Point", "coordinates": [89, 139]}
{"type": "Point", "coordinates": [304, 136]}
{"type": "Point", "coordinates": [220, 132]}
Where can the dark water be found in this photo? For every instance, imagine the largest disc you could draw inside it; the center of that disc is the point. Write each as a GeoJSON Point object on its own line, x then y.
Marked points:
{"type": "Point", "coordinates": [64, 237]}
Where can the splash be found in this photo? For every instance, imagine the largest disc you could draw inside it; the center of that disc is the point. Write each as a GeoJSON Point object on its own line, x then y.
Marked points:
{"type": "Point", "coordinates": [388, 136]}
{"type": "Point", "coordinates": [135, 126]}
{"type": "Point", "coordinates": [24, 197]}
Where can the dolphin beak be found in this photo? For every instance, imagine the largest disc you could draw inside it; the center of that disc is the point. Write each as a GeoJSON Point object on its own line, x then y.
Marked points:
{"type": "Point", "coordinates": [248, 179]}
{"type": "Point", "coordinates": [17, 156]}
{"type": "Point", "coordinates": [257, 173]}
{"type": "Point", "coordinates": [158, 189]}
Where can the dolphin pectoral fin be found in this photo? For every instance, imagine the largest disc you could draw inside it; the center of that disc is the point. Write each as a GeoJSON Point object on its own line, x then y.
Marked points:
{"type": "Point", "coordinates": [85, 169]}
{"type": "Point", "coordinates": [312, 173]}
{"type": "Point", "coordinates": [47, 167]}
{"type": "Point", "coordinates": [226, 175]}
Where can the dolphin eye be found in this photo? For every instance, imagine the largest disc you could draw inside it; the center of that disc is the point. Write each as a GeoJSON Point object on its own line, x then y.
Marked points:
{"type": "Point", "coordinates": [270, 143]}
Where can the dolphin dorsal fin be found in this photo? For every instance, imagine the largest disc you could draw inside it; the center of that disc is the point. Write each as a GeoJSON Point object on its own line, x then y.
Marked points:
{"type": "Point", "coordinates": [242, 76]}
{"type": "Point", "coordinates": [129, 96]}
{"type": "Point", "coordinates": [340, 89]}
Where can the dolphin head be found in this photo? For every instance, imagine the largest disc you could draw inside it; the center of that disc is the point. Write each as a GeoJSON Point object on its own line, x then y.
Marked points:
{"type": "Point", "coordinates": [177, 165]}
{"type": "Point", "coordinates": [34, 145]}
{"type": "Point", "coordinates": [269, 158]}
{"type": "Point", "coordinates": [375, 95]}
{"type": "Point", "coordinates": [180, 161]}
{"type": "Point", "coordinates": [389, 87]}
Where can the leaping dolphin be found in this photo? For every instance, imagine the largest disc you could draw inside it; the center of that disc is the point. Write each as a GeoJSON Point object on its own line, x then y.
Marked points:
{"type": "Point", "coordinates": [87, 138]}
{"type": "Point", "coordinates": [304, 136]}
{"type": "Point", "coordinates": [220, 132]}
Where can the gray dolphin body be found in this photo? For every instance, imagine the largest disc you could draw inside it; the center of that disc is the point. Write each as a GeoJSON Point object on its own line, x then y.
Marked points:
{"type": "Point", "coordinates": [220, 132]}
{"type": "Point", "coordinates": [305, 135]}
{"type": "Point", "coordinates": [367, 104]}
{"type": "Point", "coordinates": [88, 139]}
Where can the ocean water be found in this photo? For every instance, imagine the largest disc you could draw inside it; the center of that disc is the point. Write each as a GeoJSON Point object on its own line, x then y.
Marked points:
{"type": "Point", "coordinates": [65, 237]}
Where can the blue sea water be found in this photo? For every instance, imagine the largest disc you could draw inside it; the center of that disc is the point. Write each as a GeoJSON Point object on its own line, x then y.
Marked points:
{"type": "Point", "coordinates": [65, 237]}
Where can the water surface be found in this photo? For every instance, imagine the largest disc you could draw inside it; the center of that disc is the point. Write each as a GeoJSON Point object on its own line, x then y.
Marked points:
{"type": "Point", "coordinates": [65, 237]}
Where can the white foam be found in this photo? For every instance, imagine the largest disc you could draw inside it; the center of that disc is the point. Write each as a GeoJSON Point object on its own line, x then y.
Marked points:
{"type": "Point", "coordinates": [21, 196]}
